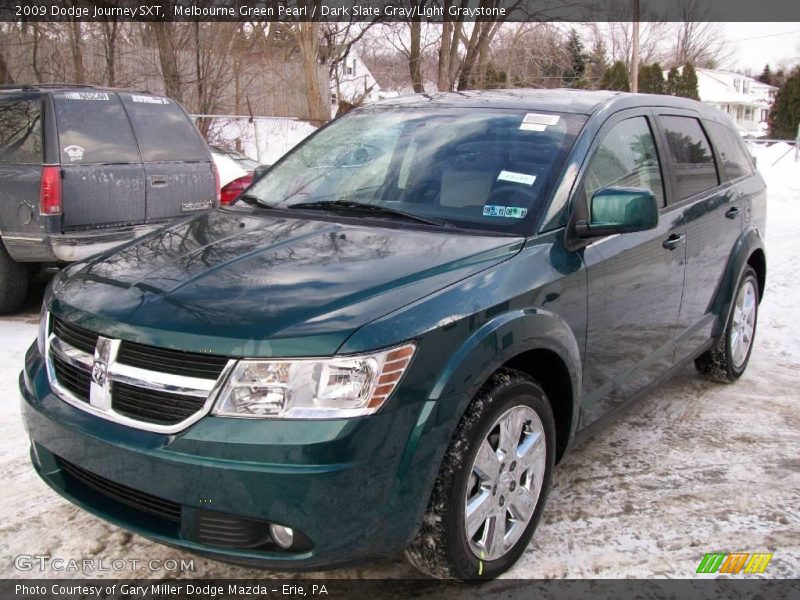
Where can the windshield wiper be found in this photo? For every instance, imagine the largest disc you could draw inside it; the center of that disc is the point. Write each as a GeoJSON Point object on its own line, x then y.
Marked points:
{"type": "Point", "coordinates": [250, 199]}
{"type": "Point", "coordinates": [349, 206]}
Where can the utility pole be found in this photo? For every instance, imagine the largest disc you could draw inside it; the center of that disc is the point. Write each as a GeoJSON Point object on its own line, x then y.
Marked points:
{"type": "Point", "coordinates": [635, 49]}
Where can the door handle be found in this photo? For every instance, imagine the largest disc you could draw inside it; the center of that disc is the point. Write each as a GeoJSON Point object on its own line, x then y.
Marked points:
{"type": "Point", "coordinates": [158, 181]}
{"type": "Point", "coordinates": [674, 241]}
{"type": "Point", "coordinates": [732, 212]}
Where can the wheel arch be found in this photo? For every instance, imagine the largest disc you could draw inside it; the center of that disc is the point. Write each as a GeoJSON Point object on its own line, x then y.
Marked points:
{"type": "Point", "coordinates": [535, 341]}
{"type": "Point", "coordinates": [748, 251]}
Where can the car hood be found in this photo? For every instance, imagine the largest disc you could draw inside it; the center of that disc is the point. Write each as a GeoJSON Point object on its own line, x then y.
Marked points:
{"type": "Point", "coordinates": [246, 283]}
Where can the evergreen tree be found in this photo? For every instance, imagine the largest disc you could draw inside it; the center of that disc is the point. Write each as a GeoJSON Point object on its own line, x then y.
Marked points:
{"type": "Point", "coordinates": [673, 82]}
{"type": "Point", "coordinates": [596, 63]}
{"type": "Point", "coordinates": [616, 78]}
{"type": "Point", "coordinates": [688, 87]}
{"type": "Point", "coordinates": [779, 78]}
{"type": "Point", "coordinates": [651, 79]}
{"type": "Point", "coordinates": [574, 77]}
{"type": "Point", "coordinates": [785, 115]}
{"type": "Point", "coordinates": [766, 75]}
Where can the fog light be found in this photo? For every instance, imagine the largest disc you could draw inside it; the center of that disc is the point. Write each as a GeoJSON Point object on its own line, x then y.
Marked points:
{"type": "Point", "coordinates": [283, 536]}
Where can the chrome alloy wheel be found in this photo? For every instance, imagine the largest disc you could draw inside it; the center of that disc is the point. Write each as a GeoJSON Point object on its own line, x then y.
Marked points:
{"type": "Point", "coordinates": [744, 323]}
{"type": "Point", "coordinates": [505, 483]}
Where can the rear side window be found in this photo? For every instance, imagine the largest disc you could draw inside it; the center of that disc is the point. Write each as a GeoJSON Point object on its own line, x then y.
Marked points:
{"type": "Point", "coordinates": [729, 145]}
{"type": "Point", "coordinates": [20, 132]}
{"type": "Point", "coordinates": [691, 155]}
{"type": "Point", "coordinates": [163, 130]}
{"type": "Point", "coordinates": [93, 129]}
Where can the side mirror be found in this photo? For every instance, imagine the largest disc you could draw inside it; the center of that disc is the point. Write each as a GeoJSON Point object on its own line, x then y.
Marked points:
{"type": "Point", "coordinates": [619, 210]}
{"type": "Point", "coordinates": [260, 171]}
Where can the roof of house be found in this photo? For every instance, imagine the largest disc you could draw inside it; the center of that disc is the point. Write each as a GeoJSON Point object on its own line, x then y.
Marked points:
{"type": "Point", "coordinates": [719, 87]}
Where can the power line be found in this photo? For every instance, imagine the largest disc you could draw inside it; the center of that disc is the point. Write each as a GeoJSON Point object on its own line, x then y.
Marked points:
{"type": "Point", "coordinates": [759, 37]}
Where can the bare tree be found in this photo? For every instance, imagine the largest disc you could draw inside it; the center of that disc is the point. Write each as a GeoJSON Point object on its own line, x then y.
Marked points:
{"type": "Point", "coordinates": [167, 42]}
{"type": "Point", "coordinates": [109, 35]}
{"type": "Point", "coordinates": [699, 42]}
{"type": "Point", "coordinates": [76, 45]}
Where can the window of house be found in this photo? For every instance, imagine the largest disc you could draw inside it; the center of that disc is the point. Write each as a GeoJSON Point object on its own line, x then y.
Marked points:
{"type": "Point", "coordinates": [691, 155]}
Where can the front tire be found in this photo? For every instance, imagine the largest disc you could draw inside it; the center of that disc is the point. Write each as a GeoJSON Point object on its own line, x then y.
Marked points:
{"type": "Point", "coordinates": [726, 361]}
{"type": "Point", "coordinates": [492, 485]}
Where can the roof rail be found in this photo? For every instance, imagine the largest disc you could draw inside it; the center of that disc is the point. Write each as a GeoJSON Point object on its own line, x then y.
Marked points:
{"type": "Point", "coordinates": [27, 87]}
{"type": "Point", "coordinates": [14, 86]}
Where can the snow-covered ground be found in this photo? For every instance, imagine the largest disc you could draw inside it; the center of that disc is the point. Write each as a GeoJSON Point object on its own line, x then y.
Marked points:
{"type": "Point", "coordinates": [695, 467]}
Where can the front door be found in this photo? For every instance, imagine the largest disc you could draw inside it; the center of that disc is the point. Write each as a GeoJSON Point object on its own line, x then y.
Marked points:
{"type": "Point", "coordinates": [635, 280]}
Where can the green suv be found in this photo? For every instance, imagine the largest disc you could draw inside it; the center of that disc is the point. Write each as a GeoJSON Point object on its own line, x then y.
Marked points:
{"type": "Point", "coordinates": [390, 339]}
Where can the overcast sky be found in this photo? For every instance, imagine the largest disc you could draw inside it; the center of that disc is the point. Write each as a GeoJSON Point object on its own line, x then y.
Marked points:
{"type": "Point", "coordinates": [757, 44]}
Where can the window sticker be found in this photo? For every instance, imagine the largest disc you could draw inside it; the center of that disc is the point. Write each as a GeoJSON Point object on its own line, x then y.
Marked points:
{"type": "Point", "coordinates": [148, 100]}
{"type": "Point", "coordinates": [516, 177]}
{"type": "Point", "coordinates": [532, 127]}
{"type": "Point", "coordinates": [75, 153]}
{"type": "Point", "coordinates": [540, 119]}
{"type": "Point", "coordinates": [513, 212]}
{"type": "Point", "coordinates": [86, 96]}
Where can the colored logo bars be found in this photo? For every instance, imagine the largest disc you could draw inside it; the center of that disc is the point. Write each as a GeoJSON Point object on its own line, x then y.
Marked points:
{"type": "Point", "coordinates": [736, 562]}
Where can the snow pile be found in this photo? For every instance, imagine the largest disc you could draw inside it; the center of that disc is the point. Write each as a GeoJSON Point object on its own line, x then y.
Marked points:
{"type": "Point", "coordinates": [769, 155]}
{"type": "Point", "coordinates": [264, 139]}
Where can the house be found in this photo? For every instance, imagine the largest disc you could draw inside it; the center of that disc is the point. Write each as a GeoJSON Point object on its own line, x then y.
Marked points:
{"type": "Point", "coordinates": [353, 83]}
{"type": "Point", "coordinates": [745, 100]}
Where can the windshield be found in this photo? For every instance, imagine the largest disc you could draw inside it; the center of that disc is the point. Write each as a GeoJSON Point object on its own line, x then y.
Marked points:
{"type": "Point", "coordinates": [475, 169]}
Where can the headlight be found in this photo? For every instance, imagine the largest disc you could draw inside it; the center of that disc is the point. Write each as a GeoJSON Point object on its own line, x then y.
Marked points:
{"type": "Point", "coordinates": [313, 388]}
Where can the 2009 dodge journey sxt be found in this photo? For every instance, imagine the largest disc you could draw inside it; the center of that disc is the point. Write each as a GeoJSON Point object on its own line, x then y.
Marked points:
{"type": "Point", "coordinates": [389, 340]}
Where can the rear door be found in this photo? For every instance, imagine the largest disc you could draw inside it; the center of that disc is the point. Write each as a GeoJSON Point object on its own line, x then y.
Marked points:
{"type": "Point", "coordinates": [177, 163]}
{"type": "Point", "coordinates": [635, 280]}
{"type": "Point", "coordinates": [102, 175]}
{"type": "Point", "coordinates": [713, 217]}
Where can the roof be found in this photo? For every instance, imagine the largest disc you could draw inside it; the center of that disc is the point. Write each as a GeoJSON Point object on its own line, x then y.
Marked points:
{"type": "Point", "coordinates": [571, 101]}
{"type": "Point", "coordinates": [719, 87]}
{"type": "Point", "coordinates": [54, 87]}
{"type": "Point", "coordinates": [549, 100]}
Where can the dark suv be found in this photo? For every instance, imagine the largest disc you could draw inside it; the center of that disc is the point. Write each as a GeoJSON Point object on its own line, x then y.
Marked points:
{"type": "Point", "coordinates": [389, 341]}
{"type": "Point", "coordinates": [83, 169]}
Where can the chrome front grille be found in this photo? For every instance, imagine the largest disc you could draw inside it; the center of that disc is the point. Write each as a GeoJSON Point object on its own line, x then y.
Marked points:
{"type": "Point", "coordinates": [154, 389]}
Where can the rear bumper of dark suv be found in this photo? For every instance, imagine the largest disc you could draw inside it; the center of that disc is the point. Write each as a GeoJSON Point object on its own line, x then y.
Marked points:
{"type": "Point", "coordinates": [73, 246]}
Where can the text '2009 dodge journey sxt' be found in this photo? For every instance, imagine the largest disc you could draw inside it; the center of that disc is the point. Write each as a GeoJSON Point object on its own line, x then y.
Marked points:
{"type": "Point", "coordinates": [389, 340]}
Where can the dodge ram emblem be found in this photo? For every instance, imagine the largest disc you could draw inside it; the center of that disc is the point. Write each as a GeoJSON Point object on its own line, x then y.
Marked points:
{"type": "Point", "coordinates": [99, 369]}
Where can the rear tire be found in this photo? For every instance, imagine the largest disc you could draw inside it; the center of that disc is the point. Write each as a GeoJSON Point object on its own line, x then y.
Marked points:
{"type": "Point", "coordinates": [13, 282]}
{"type": "Point", "coordinates": [726, 361]}
{"type": "Point", "coordinates": [492, 485]}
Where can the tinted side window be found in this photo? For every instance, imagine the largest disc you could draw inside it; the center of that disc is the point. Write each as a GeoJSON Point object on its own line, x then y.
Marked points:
{"type": "Point", "coordinates": [20, 132]}
{"type": "Point", "coordinates": [93, 129]}
{"type": "Point", "coordinates": [163, 130]}
{"type": "Point", "coordinates": [735, 160]}
{"type": "Point", "coordinates": [626, 158]}
{"type": "Point", "coordinates": [692, 159]}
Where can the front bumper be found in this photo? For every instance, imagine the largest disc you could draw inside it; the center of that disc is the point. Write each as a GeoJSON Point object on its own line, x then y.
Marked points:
{"type": "Point", "coordinates": [349, 486]}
